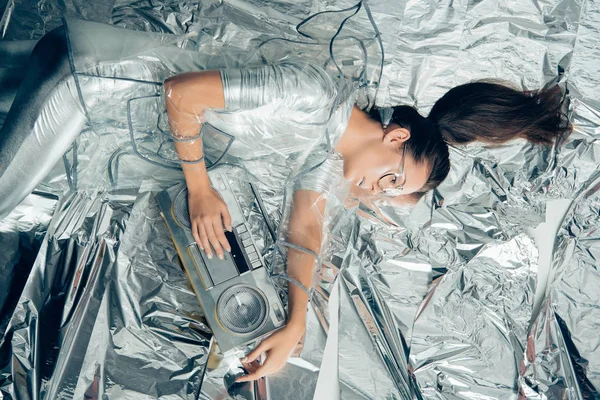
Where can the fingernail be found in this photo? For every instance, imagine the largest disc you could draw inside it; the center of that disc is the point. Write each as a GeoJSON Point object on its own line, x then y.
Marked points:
{"type": "Point", "coordinates": [209, 256]}
{"type": "Point", "coordinates": [230, 229]}
{"type": "Point", "coordinates": [201, 248]}
{"type": "Point", "coordinates": [220, 256]}
{"type": "Point", "coordinates": [228, 249]}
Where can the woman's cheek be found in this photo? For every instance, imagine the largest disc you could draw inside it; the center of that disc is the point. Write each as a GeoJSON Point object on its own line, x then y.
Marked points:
{"type": "Point", "coordinates": [358, 192]}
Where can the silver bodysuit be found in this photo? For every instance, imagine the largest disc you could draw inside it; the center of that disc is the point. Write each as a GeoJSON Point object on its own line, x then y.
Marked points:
{"type": "Point", "coordinates": [297, 109]}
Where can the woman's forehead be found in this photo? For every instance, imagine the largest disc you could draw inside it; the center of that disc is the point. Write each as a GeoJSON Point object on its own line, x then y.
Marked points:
{"type": "Point", "coordinates": [416, 173]}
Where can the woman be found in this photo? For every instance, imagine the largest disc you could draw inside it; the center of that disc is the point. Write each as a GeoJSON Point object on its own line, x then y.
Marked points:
{"type": "Point", "coordinates": [401, 154]}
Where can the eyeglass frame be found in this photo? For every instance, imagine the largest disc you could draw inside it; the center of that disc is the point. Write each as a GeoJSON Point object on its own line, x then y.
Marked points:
{"type": "Point", "coordinates": [391, 192]}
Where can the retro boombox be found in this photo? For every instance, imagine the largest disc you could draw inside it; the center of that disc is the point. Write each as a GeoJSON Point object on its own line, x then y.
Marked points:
{"type": "Point", "coordinates": [237, 295]}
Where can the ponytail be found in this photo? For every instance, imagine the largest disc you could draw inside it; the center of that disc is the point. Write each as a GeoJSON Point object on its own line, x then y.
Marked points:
{"type": "Point", "coordinates": [494, 113]}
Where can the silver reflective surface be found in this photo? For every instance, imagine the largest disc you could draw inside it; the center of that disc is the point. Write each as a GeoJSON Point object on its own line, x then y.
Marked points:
{"type": "Point", "coordinates": [435, 301]}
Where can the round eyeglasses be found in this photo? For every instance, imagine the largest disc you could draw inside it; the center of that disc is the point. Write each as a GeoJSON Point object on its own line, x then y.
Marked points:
{"type": "Point", "coordinates": [391, 184]}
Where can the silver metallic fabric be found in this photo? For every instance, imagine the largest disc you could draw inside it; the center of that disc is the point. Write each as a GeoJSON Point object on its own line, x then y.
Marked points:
{"type": "Point", "coordinates": [435, 299]}
{"type": "Point", "coordinates": [74, 308]}
{"type": "Point", "coordinates": [469, 339]}
{"type": "Point", "coordinates": [297, 84]}
{"type": "Point", "coordinates": [320, 176]}
{"type": "Point", "coordinates": [21, 235]}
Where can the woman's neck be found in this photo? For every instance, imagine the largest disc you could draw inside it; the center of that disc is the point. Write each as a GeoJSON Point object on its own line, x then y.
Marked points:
{"type": "Point", "coordinates": [360, 132]}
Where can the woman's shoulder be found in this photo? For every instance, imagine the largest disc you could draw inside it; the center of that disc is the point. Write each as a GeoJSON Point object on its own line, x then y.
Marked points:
{"type": "Point", "coordinates": [306, 68]}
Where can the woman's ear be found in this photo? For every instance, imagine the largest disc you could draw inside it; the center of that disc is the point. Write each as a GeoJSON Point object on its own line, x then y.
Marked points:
{"type": "Point", "coordinates": [396, 135]}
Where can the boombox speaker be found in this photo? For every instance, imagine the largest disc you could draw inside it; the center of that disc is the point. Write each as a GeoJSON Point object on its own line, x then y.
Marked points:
{"type": "Point", "coordinates": [237, 295]}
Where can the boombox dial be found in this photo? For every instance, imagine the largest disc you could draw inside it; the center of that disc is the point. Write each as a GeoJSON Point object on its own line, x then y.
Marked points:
{"type": "Point", "coordinates": [181, 210]}
{"type": "Point", "coordinates": [242, 309]}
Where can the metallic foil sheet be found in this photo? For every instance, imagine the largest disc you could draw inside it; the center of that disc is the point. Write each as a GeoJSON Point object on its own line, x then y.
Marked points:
{"type": "Point", "coordinates": [469, 335]}
{"type": "Point", "coordinates": [472, 226]}
{"type": "Point", "coordinates": [102, 293]}
{"type": "Point", "coordinates": [379, 297]}
{"type": "Point", "coordinates": [78, 239]}
{"type": "Point", "coordinates": [562, 353]}
{"type": "Point", "coordinates": [561, 359]}
{"type": "Point", "coordinates": [21, 235]}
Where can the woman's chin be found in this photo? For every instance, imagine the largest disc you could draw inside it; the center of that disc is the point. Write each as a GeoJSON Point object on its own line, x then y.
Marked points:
{"type": "Point", "coordinates": [360, 194]}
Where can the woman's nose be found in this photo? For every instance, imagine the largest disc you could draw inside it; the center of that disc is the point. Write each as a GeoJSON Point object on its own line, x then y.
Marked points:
{"type": "Point", "coordinates": [375, 189]}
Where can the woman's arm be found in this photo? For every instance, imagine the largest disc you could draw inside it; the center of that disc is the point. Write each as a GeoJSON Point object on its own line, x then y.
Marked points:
{"type": "Point", "coordinates": [186, 97]}
{"type": "Point", "coordinates": [306, 226]}
{"type": "Point", "coordinates": [298, 85]}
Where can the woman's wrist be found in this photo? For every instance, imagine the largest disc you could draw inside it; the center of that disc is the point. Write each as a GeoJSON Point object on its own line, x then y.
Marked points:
{"type": "Point", "coordinates": [197, 181]}
{"type": "Point", "coordinates": [198, 187]}
{"type": "Point", "coordinates": [297, 308]}
{"type": "Point", "coordinates": [297, 324]}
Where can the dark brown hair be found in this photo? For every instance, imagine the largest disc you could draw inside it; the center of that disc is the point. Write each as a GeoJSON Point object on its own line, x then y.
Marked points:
{"type": "Point", "coordinates": [494, 113]}
{"type": "Point", "coordinates": [480, 111]}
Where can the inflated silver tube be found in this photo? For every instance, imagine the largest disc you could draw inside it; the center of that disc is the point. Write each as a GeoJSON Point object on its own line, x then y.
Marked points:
{"type": "Point", "coordinates": [44, 119]}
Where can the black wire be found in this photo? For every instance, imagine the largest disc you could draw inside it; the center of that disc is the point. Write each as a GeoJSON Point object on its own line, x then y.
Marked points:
{"type": "Point", "coordinates": [363, 73]}
{"type": "Point", "coordinates": [358, 6]}
{"type": "Point", "coordinates": [378, 38]}
{"type": "Point", "coordinates": [306, 20]}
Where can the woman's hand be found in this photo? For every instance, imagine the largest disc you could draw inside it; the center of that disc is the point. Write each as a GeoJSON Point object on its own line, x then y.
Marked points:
{"type": "Point", "coordinates": [209, 218]}
{"type": "Point", "coordinates": [279, 347]}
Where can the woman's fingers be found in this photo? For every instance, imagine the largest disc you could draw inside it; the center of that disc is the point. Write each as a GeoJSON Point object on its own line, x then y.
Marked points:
{"type": "Point", "coordinates": [269, 367]}
{"type": "Point", "coordinates": [274, 362]}
{"type": "Point", "coordinates": [209, 215]}
{"type": "Point", "coordinates": [204, 240]}
{"type": "Point", "coordinates": [196, 235]}
{"type": "Point", "coordinates": [212, 238]}
{"type": "Point", "coordinates": [220, 233]}
{"type": "Point", "coordinates": [259, 373]}
{"type": "Point", "coordinates": [226, 218]}
{"type": "Point", "coordinates": [209, 232]}
{"type": "Point", "coordinates": [254, 354]}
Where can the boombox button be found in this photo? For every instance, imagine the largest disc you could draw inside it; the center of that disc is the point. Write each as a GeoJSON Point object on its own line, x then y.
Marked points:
{"type": "Point", "coordinates": [256, 264]}
{"type": "Point", "coordinates": [241, 228]}
{"type": "Point", "coordinates": [246, 242]}
{"type": "Point", "coordinates": [253, 257]}
{"type": "Point", "coordinates": [277, 311]}
{"type": "Point", "coordinates": [245, 236]}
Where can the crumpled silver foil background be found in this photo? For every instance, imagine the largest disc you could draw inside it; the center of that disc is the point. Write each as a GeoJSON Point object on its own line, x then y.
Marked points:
{"type": "Point", "coordinates": [436, 304]}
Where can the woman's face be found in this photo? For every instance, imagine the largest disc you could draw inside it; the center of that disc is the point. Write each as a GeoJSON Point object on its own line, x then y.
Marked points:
{"type": "Point", "coordinates": [365, 167]}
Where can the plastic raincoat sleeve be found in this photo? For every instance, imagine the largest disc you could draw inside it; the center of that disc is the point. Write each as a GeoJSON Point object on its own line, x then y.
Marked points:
{"type": "Point", "coordinates": [296, 85]}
